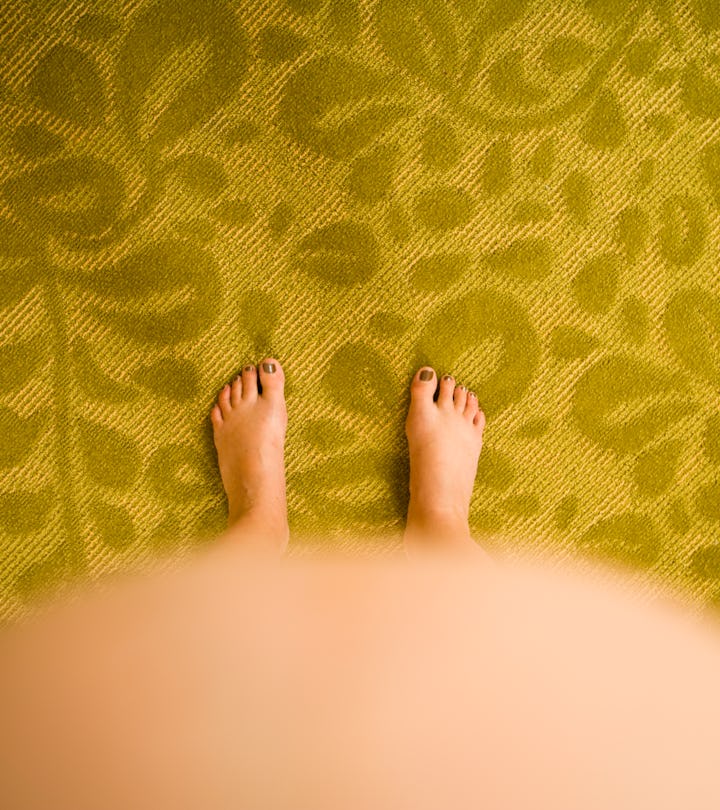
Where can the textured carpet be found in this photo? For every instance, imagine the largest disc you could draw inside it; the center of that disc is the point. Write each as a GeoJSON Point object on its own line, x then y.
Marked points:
{"type": "Point", "coordinates": [522, 194]}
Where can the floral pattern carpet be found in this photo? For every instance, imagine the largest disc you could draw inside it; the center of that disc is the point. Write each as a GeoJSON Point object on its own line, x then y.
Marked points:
{"type": "Point", "coordinates": [525, 195]}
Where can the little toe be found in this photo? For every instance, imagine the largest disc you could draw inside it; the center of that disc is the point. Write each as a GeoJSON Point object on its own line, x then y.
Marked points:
{"type": "Point", "coordinates": [224, 402]}
{"type": "Point", "coordinates": [479, 420]}
{"type": "Point", "coordinates": [471, 406]}
{"type": "Point", "coordinates": [216, 417]}
{"type": "Point", "coordinates": [272, 378]}
{"type": "Point", "coordinates": [249, 382]}
{"type": "Point", "coordinates": [447, 389]}
{"type": "Point", "coordinates": [422, 388]}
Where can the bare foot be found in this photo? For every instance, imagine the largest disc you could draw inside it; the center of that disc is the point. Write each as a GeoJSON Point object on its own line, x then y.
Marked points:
{"type": "Point", "coordinates": [445, 440]}
{"type": "Point", "coordinates": [249, 432]}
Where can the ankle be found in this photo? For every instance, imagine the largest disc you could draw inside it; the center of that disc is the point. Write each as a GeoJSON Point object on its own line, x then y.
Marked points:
{"type": "Point", "coordinates": [268, 512]}
{"type": "Point", "coordinates": [257, 527]}
{"type": "Point", "coordinates": [424, 516]}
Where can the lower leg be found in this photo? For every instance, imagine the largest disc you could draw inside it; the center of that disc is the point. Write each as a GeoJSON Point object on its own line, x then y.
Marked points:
{"type": "Point", "coordinates": [251, 534]}
{"type": "Point", "coordinates": [436, 533]}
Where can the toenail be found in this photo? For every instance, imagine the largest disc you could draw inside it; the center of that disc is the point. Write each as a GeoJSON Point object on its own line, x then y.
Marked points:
{"type": "Point", "coordinates": [269, 367]}
{"type": "Point", "coordinates": [473, 394]}
{"type": "Point", "coordinates": [447, 377]}
{"type": "Point", "coordinates": [462, 387]}
{"type": "Point", "coordinates": [249, 368]}
{"type": "Point", "coordinates": [426, 375]}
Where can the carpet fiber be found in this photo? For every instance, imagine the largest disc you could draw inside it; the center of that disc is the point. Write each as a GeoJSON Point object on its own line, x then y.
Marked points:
{"type": "Point", "coordinates": [524, 195]}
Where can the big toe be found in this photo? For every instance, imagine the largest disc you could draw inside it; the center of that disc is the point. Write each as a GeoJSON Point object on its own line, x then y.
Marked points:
{"type": "Point", "coordinates": [421, 389]}
{"type": "Point", "coordinates": [272, 377]}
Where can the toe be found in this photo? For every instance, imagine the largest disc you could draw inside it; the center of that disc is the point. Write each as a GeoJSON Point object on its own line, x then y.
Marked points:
{"type": "Point", "coordinates": [422, 390]}
{"type": "Point", "coordinates": [471, 406]}
{"type": "Point", "coordinates": [272, 378]}
{"type": "Point", "coordinates": [447, 389]}
{"type": "Point", "coordinates": [479, 420]}
{"type": "Point", "coordinates": [216, 417]}
{"type": "Point", "coordinates": [249, 382]}
{"type": "Point", "coordinates": [236, 391]}
{"type": "Point", "coordinates": [224, 402]}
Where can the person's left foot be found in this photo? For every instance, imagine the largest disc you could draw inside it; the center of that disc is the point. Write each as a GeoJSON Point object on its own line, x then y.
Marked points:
{"type": "Point", "coordinates": [249, 432]}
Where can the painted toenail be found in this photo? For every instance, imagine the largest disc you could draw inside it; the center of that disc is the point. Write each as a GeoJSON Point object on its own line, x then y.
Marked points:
{"type": "Point", "coordinates": [447, 377]}
{"type": "Point", "coordinates": [249, 368]}
{"type": "Point", "coordinates": [426, 375]}
{"type": "Point", "coordinates": [269, 367]}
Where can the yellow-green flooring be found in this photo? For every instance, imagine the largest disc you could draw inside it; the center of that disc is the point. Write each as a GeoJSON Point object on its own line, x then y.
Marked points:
{"type": "Point", "coordinates": [525, 194]}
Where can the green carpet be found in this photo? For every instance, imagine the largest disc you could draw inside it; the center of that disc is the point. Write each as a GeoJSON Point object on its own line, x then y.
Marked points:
{"type": "Point", "coordinates": [522, 194]}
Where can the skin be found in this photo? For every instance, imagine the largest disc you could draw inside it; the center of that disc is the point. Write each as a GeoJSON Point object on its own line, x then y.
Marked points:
{"type": "Point", "coordinates": [444, 440]}
{"type": "Point", "coordinates": [453, 678]}
{"type": "Point", "coordinates": [249, 682]}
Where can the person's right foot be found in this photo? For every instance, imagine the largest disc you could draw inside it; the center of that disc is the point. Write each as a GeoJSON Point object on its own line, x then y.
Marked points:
{"type": "Point", "coordinates": [445, 440]}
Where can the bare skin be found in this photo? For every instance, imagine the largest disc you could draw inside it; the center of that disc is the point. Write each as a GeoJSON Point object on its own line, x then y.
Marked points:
{"type": "Point", "coordinates": [444, 439]}
{"type": "Point", "coordinates": [249, 432]}
{"type": "Point", "coordinates": [363, 685]}
{"type": "Point", "coordinates": [239, 682]}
